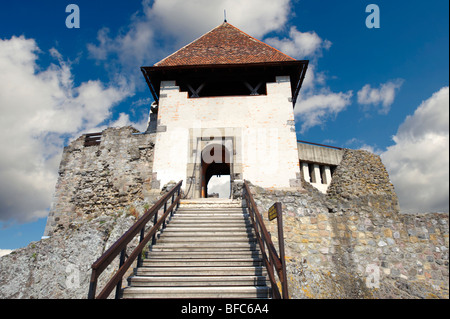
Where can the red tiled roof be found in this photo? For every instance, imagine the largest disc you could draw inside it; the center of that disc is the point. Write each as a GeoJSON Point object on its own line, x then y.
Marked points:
{"type": "Point", "coordinates": [224, 44]}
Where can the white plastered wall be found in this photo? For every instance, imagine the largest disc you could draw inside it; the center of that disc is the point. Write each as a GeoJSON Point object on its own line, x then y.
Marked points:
{"type": "Point", "coordinates": [267, 148]}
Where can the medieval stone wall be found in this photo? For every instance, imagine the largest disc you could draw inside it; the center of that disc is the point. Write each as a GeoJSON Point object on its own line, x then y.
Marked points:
{"type": "Point", "coordinates": [101, 179]}
{"type": "Point", "coordinates": [354, 243]}
{"type": "Point", "coordinates": [349, 243]}
{"type": "Point", "coordinates": [261, 130]}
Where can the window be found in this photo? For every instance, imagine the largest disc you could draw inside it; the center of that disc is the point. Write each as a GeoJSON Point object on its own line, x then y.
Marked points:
{"type": "Point", "coordinates": [318, 173]}
{"type": "Point", "coordinates": [225, 86]}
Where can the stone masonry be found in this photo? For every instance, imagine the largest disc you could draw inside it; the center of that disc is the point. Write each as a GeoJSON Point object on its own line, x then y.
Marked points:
{"type": "Point", "coordinates": [101, 179]}
{"type": "Point", "coordinates": [353, 243]}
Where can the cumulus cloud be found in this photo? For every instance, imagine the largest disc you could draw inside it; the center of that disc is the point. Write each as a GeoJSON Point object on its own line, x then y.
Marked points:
{"type": "Point", "coordinates": [300, 45]}
{"type": "Point", "coordinates": [383, 97]}
{"type": "Point", "coordinates": [126, 51]}
{"type": "Point", "coordinates": [186, 20]}
{"type": "Point", "coordinates": [317, 103]}
{"type": "Point", "coordinates": [418, 162]}
{"type": "Point", "coordinates": [316, 108]}
{"type": "Point", "coordinates": [40, 109]}
{"type": "Point", "coordinates": [124, 120]}
{"type": "Point", "coordinates": [163, 26]}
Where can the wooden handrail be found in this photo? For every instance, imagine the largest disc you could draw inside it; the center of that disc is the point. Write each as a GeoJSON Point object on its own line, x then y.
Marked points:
{"type": "Point", "coordinates": [119, 247]}
{"type": "Point", "coordinates": [271, 259]}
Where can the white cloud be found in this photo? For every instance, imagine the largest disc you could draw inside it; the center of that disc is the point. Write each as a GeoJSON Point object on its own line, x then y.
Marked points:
{"type": "Point", "coordinates": [418, 162]}
{"type": "Point", "coordinates": [163, 26]}
{"type": "Point", "coordinates": [300, 45]}
{"type": "Point", "coordinates": [316, 108]}
{"type": "Point", "coordinates": [187, 20]}
{"type": "Point", "coordinates": [317, 103]}
{"type": "Point", "coordinates": [39, 109]}
{"type": "Point", "coordinates": [4, 252]}
{"type": "Point", "coordinates": [124, 120]}
{"type": "Point", "coordinates": [130, 50]}
{"type": "Point", "coordinates": [383, 97]}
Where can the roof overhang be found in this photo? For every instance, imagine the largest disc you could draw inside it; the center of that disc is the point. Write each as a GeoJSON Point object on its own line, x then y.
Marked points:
{"type": "Point", "coordinates": [295, 69]}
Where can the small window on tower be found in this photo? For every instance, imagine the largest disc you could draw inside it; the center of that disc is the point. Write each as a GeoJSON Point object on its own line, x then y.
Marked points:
{"type": "Point", "coordinates": [224, 86]}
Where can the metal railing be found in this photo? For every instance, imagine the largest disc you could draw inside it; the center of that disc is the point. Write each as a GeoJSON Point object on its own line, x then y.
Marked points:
{"type": "Point", "coordinates": [120, 246]}
{"type": "Point", "coordinates": [269, 254]}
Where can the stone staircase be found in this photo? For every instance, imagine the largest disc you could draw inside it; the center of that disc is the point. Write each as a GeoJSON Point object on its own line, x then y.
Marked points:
{"type": "Point", "coordinates": [208, 250]}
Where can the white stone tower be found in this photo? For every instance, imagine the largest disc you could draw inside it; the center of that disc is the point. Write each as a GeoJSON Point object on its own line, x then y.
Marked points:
{"type": "Point", "coordinates": [225, 107]}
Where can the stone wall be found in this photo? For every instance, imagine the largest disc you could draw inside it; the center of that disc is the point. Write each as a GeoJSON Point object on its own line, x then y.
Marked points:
{"type": "Point", "coordinates": [59, 267]}
{"type": "Point", "coordinates": [101, 179]}
{"type": "Point", "coordinates": [261, 130]}
{"type": "Point", "coordinates": [349, 243]}
{"type": "Point", "coordinates": [354, 243]}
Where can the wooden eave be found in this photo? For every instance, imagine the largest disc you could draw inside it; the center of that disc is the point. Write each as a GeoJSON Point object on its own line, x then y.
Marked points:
{"type": "Point", "coordinates": [295, 69]}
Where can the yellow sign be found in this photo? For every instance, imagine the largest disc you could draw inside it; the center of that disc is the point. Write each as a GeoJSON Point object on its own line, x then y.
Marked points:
{"type": "Point", "coordinates": [273, 212]}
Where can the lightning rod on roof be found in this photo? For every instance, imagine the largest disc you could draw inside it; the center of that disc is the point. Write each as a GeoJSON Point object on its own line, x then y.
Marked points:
{"type": "Point", "coordinates": [224, 15]}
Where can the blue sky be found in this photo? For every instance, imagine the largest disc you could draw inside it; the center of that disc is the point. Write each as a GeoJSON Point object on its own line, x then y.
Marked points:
{"type": "Point", "coordinates": [385, 90]}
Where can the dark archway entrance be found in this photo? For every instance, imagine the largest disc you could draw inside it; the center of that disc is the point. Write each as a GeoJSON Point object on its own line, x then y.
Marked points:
{"type": "Point", "coordinates": [215, 161]}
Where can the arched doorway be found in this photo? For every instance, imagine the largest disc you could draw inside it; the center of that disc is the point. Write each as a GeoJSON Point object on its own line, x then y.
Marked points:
{"type": "Point", "coordinates": [215, 162]}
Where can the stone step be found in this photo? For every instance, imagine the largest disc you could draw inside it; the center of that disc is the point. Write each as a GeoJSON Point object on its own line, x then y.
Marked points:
{"type": "Point", "coordinates": [211, 217]}
{"type": "Point", "coordinates": [209, 226]}
{"type": "Point", "coordinates": [173, 248]}
{"type": "Point", "coordinates": [196, 292]}
{"type": "Point", "coordinates": [207, 250]}
{"type": "Point", "coordinates": [203, 254]}
{"type": "Point", "coordinates": [211, 221]}
{"type": "Point", "coordinates": [206, 233]}
{"type": "Point", "coordinates": [210, 214]}
{"type": "Point", "coordinates": [183, 281]}
{"type": "Point", "coordinates": [217, 229]}
{"type": "Point", "coordinates": [211, 240]}
{"type": "Point", "coordinates": [210, 207]}
{"type": "Point", "coordinates": [202, 271]}
{"type": "Point", "coordinates": [205, 245]}
{"type": "Point", "coordinates": [203, 202]}
{"type": "Point", "coordinates": [182, 262]}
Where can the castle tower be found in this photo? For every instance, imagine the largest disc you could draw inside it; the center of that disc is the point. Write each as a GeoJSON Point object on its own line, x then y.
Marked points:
{"type": "Point", "coordinates": [224, 106]}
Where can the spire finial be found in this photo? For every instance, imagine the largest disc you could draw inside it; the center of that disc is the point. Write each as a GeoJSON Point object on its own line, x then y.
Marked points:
{"type": "Point", "coordinates": [225, 16]}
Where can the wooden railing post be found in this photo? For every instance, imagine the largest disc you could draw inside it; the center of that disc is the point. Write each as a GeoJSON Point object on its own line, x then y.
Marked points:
{"type": "Point", "coordinates": [283, 280]}
{"type": "Point", "coordinates": [154, 223]}
{"type": "Point", "coordinates": [92, 285]}
{"type": "Point", "coordinates": [141, 237]}
{"type": "Point", "coordinates": [121, 262]}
